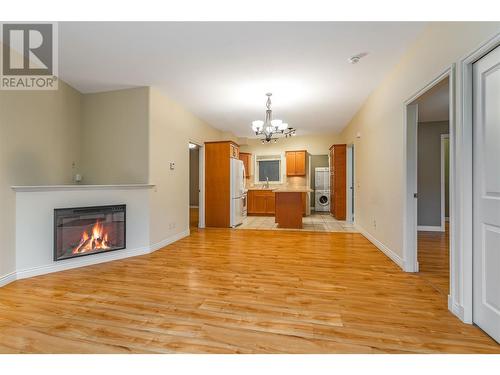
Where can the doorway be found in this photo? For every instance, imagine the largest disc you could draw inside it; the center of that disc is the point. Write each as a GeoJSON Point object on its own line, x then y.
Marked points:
{"type": "Point", "coordinates": [429, 121]}
{"type": "Point", "coordinates": [194, 185]}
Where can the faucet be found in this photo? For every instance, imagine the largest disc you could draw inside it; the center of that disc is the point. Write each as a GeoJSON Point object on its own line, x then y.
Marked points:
{"type": "Point", "coordinates": [267, 182]}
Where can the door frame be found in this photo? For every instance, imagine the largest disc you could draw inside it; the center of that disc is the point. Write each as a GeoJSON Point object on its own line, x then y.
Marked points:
{"type": "Point", "coordinates": [350, 175]}
{"type": "Point", "coordinates": [460, 301]}
{"type": "Point", "coordinates": [201, 173]}
{"type": "Point", "coordinates": [443, 182]}
{"type": "Point", "coordinates": [410, 120]}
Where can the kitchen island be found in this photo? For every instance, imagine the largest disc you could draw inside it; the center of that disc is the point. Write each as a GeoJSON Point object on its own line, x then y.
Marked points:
{"type": "Point", "coordinates": [289, 203]}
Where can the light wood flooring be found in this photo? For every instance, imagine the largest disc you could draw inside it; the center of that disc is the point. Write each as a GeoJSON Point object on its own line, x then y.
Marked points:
{"type": "Point", "coordinates": [231, 291]}
{"type": "Point", "coordinates": [434, 259]}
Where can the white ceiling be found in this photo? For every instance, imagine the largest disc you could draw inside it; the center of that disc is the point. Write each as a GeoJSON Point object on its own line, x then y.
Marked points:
{"type": "Point", "coordinates": [434, 104]}
{"type": "Point", "coordinates": [221, 71]}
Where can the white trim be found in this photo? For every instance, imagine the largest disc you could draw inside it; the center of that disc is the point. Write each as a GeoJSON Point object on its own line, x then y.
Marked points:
{"type": "Point", "coordinates": [89, 260]}
{"type": "Point", "coordinates": [82, 262]}
{"type": "Point", "coordinates": [80, 187]}
{"type": "Point", "coordinates": [167, 241]}
{"type": "Point", "coordinates": [455, 308]}
{"type": "Point", "coordinates": [7, 278]}
{"type": "Point", "coordinates": [443, 182]}
{"type": "Point", "coordinates": [267, 157]}
{"type": "Point", "coordinates": [429, 228]}
{"type": "Point", "coordinates": [382, 247]}
{"type": "Point", "coordinates": [350, 182]}
{"type": "Point", "coordinates": [201, 182]}
{"type": "Point", "coordinates": [461, 282]}
{"type": "Point", "coordinates": [201, 198]}
{"type": "Point", "coordinates": [410, 166]}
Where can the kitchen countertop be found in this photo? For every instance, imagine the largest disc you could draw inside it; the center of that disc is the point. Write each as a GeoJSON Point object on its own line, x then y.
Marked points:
{"type": "Point", "coordinates": [284, 189]}
{"type": "Point", "coordinates": [293, 189]}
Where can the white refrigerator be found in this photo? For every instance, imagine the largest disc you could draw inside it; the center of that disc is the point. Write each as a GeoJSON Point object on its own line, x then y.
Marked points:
{"type": "Point", "coordinates": [238, 198]}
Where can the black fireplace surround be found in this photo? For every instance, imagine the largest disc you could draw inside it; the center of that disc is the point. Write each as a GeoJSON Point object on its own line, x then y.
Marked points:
{"type": "Point", "coordinates": [88, 230]}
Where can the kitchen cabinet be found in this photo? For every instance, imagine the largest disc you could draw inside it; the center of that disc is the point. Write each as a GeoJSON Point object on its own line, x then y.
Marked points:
{"type": "Point", "coordinates": [296, 163]}
{"type": "Point", "coordinates": [338, 159]}
{"type": "Point", "coordinates": [261, 202]}
{"type": "Point", "coordinates": [246, 158]}
{"type": "Point", "coordinates": [218, 182]}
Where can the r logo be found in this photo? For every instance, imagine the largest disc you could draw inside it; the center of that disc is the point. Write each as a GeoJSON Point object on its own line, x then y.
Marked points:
{"type": "Point", "coordinates": [27, 49]}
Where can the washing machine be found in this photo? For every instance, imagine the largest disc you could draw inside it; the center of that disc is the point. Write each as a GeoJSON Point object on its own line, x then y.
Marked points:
{"type": "Point", "coordinates": [322, 200]}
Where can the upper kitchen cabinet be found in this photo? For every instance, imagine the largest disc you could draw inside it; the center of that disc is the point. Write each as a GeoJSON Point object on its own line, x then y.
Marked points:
{"type": "Point", "coordinates": [246, 158]}
{"type": "Point", "coordinates": [296, 163]}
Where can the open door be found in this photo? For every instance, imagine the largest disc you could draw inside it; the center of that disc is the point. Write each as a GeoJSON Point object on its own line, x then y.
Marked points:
{"type": "Point", "coordinates": [486, 190]}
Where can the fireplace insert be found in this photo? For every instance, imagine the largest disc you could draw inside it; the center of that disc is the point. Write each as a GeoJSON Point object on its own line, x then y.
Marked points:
{"type": "Point", "coordinates": [88, 230]}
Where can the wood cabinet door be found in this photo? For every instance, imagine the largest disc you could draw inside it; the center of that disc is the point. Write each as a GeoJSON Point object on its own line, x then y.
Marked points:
{"type": "Point", "coordinates": [300, 163]}
{"type": "Point", "coordinates": [290, 163]}
{"type": "Point", "coordinates": [260, 206]}
{"type": "Point", "coordinates": [339, 181]}
{"type": "Point", "coordinates": [270, 204]}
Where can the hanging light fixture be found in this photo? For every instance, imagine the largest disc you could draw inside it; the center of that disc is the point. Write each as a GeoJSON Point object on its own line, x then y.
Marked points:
{"type": "Point", "coordinates": [269, 128]}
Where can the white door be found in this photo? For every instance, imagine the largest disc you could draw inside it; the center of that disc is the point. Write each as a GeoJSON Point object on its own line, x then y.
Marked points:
{"type": "Point", "coordinates": [486, 186]}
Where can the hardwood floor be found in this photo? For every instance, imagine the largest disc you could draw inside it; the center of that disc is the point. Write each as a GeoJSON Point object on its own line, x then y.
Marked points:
{"type": "Point", "coordinates": [193, 217]}
{"type": "Point", "coordinates": [232, 291]}
{"type": "Point", "coordinates": [434, 259]}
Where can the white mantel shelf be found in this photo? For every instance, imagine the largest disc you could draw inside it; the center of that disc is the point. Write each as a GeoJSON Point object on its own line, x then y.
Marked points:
{"type": "Point", "coordinates": [80, 187]}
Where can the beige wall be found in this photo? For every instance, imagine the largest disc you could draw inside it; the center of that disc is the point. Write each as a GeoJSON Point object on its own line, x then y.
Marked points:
{"type": "Point", "coordinates": [429, 172]}
{"type": "Point", "coordinates": [317, 144]}
{"type": "Point", "coordinates": [39, 133]}
{"type": "Point", "coordinates": [115, 137]}
{"type": "Point", "coordinates": [379, 152]}
{"type": "Point", "coordinates": [313, 144]}
{"type": "Point", "coordinates": [171, 129]}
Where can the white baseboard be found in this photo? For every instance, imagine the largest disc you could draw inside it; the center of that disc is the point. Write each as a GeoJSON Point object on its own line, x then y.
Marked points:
{"type": "Point", "coordinates": [89, 260]}
{"type": "Point", "coordinates": [7, 278]}
{"type": "Point", "coordinates": [82, 262]}
{"type": "Point", "coordinates": [430, 228]}
{"type": "Point", "coordinates": [457, 310]}
{"type": "Point", "coordinates": [169, 240]}
{"type": "Point", "coordinates": [391, 254]}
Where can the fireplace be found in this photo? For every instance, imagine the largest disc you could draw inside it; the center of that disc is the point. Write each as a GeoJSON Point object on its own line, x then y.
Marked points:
{"type": "Point", "coordinates": [88, 230]}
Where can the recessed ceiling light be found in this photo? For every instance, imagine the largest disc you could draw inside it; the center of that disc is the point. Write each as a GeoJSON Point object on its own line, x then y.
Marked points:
{"type": "Point", "coordinates": [355, 59]}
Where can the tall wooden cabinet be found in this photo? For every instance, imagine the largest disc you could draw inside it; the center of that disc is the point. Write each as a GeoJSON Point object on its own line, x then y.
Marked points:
{"type": "Point", "coordinates": [296, 163]}
{"type": "Point", "coordinates": [338, 159]}
{"type": "Point", "coordinates": [217, 182]}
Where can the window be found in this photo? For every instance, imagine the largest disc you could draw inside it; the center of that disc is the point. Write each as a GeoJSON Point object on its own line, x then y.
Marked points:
{"type": "Point", "coordinates": [268, 167]}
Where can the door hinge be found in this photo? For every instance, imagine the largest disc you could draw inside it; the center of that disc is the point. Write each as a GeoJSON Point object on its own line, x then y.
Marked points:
{"type": "Point", "coordinates": [415, 195]}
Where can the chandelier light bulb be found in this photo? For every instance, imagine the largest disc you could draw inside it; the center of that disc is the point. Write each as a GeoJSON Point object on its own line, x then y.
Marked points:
{"type": "Point", "coordinates": [257, 125]}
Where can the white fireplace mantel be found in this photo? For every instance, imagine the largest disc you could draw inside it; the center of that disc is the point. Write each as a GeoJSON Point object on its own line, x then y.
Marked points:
{"type": "Point", "coordinates": [27, 188]}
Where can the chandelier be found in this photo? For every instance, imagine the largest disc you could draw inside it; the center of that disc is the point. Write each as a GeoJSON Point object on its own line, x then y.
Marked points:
{"type": "Point", "coordinates": [271, 129]}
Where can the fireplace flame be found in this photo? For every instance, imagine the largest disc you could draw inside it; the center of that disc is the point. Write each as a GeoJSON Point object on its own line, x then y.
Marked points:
{"type": "Point", "coordinates": [98, 240]}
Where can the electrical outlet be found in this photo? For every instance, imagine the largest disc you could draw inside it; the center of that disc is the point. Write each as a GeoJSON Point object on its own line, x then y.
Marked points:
{"type": "Point", "coordinates": [374, 224]}
{"type": "Point", "coordinates": [172, 166]}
